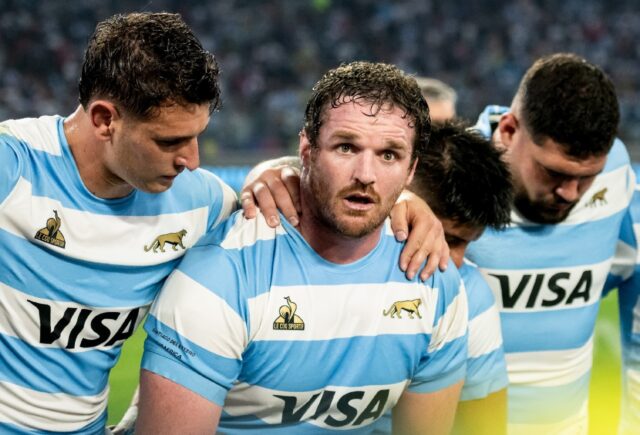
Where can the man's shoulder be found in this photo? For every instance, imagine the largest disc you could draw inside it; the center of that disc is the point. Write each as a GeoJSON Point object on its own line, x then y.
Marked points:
{"type": "Point", "coordinates": [40, 134]}
{"type": "Point", "coordinates": [479, 294]}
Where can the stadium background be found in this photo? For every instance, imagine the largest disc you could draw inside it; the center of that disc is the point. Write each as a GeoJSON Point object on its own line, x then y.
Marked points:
{"type": "Point", "coordinates": [272, 51]}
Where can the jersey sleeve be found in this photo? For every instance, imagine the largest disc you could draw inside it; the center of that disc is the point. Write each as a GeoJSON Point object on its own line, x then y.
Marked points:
{"type": "Point", "coordinates": [223, 199]}
{"type": "Point", "coordinates": [445, 360]}
{"type": "Point", "coordinates": [197, 327]}
{"type": "Point", "coordinates": [11, 167]}
{"type": "Point", "coordinates": [486, 365]}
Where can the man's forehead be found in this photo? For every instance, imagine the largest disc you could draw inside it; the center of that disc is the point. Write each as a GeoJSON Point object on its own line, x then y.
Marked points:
{"type": "Point", "coordinates": [552, 156]}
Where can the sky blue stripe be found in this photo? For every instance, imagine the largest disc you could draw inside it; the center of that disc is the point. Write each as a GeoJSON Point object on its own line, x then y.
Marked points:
{"type": "Point", "coordinates": [54, 370]}
{"type": "Point", "coordinates": [548, 330]}
{"type": "Point", "coordinates": [94, 428]}
{"type": "Point", "coordinates": [251, 424]}
{"type": "Point", "coordinates": [47, 274]}
{"type": "Point", "coordinates": [555, 245]}
{"type": "Point", "coordinates": [11, 165]}
{"type": "Point", "coordinates": [628, 295]}
{"type": "Point", "coordinates": [354, 361]}
{"type": "Point", "coordinates": [486, 374]}
{"type": "Point", "coordinates": [479, 295]}
{"type": "Point", "coordinates": [542, 405]}
{"type": "Point", "coordinates": [180, 359]}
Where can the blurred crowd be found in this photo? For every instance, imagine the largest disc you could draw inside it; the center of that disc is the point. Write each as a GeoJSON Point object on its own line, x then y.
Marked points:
{"type": "Point", "coordinates": [272, 51]}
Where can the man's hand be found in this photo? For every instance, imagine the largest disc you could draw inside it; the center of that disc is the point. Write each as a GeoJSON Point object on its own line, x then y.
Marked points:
{"type": "Point", "coordinates": [272, 189]}
{"type": "Point", "coordinates": [412, 216]}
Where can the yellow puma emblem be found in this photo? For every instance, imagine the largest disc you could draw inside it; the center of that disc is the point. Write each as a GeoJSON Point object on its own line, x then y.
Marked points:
{"type": "Point", "coordinates": [51, 233]}
{"type": "Point", "coordinates": [174, 239]}
{"type": "Point", "coordinates": [410, 307]}
{"type": "Point", "coordinates": [598, 198]}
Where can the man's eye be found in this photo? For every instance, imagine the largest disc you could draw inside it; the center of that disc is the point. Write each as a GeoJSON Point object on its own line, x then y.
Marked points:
{"type": "Point", "coordinates": [388, 156]}
{"type": "Point", "coordinates": [345, 148]}
{"type": "Point", "coordinates": [167, 143]}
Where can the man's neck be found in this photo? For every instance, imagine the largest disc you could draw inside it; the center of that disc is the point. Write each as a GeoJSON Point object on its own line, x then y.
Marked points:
{"type": "Point", "coordinates": [333, 246]}
{"type": "Point", "coordinates": [88, 153]}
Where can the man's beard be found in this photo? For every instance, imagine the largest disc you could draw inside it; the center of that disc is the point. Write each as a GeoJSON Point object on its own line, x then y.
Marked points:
{"type": "Point", "coordinates": [541, 212]}
{"type": "Point", "coordinates": [324, 208]}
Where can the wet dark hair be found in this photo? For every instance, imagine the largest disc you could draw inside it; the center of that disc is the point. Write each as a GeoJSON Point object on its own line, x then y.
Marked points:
{"type": "Point", "coordinates": [463, 178]}
{"type": "Point", "coordinates": [144, 61]}
{"type": "Point", "coordinates": [565, 98]}
{"type": "Point", "coordinates": [375, 83]}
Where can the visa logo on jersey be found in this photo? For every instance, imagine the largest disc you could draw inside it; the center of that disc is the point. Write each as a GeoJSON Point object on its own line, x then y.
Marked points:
{"type": "Point", "coordinates": [519, 290]}
{"type": "Point", "coordinates": [335, 408]}
{"type": "Point", "coordinates": [83, 328]}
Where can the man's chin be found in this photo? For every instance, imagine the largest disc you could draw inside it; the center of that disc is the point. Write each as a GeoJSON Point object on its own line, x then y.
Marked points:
{"type": "Point", "coordinates": [544, 214]}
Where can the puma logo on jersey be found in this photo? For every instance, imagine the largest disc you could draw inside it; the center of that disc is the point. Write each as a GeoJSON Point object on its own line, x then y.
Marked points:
{"type": "Point", "coordinates": [83, 327]}
{"type": "Point", "coordinates": [336, 409]}
{"type": "Point", "coordinates": [174, 239]}
{"type": "Point", "coordinates": [51, 233]}
{"type": "Point", "coordinates": [288, 319]}
{"type": "Point", "coordinates": [598, 198]}
{"type": "Point", "coordinates": [410, 307]}
{"type": "Point", "coordinates": [544, 290]}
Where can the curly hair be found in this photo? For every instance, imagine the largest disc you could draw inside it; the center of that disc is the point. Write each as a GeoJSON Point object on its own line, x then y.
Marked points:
{"type": "Point", "coordinates": [565, 98]}
{"type": "Point", "coordinates": [463, 178]}
{"type": "Point", "coordinates": [144, 61]}
{"type": "Point", "coordinates": [374, 83]}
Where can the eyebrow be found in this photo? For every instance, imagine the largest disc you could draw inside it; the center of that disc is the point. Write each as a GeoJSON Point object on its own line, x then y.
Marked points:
{"type": "Point", "coordinates": [349, 136]}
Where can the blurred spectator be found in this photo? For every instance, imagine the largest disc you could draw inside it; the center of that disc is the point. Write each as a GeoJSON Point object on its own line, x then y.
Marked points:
{"type": "Point", "coordinates": [271, 53]}
{"type": "Point", "coordinates": [441, 98]}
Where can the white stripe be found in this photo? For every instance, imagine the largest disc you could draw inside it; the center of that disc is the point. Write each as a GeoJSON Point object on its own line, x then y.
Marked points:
{"type": "Point", "coordinates": [244, 399]}
{"type": "Point", "coordinates": [341, 311]}
{"type": "Point", "coordinates": [186, 306]}
{"type": "Point", "coordinates": [55, 412]}
{"type": "Point", "coordinates": [20, 318]}
{"type": "Point", "coordinates": [453, 324]}
{"type": "Point", "coordinates": [484, 333]}
{"type": "Point", "coordinates": [121, 239]}
{"type": "Point", "coordinates": [577, 424]}
{"type": "Point", "coordinates": [599, 273]}
{"type": "Point", "coordinates": [549, 368]}
{"type": "Point", "coordinates": [246, 232]}
{"type": "Point", "coordinates": [39, 133]}
{"type": "Point", "coordinates": [625, 259]}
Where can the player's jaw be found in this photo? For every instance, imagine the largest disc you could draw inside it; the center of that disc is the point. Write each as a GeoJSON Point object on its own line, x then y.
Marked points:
{"type": "Point", "coordinates": [551, 210]}
{"type": "Point", "coordinates": [354, 211]}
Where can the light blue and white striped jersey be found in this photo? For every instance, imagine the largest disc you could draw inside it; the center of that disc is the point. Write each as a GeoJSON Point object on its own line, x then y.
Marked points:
{"type": "Point", "coordinates": [629, 308]}
{"type": "Point", "coordinates": [547, 280]}
{"type": "Point", "coordinates": [486, 366]}
{"type": "Point", "coordinates": [256, 321]}
{"type": "Point", "coordinates": [78, 274]}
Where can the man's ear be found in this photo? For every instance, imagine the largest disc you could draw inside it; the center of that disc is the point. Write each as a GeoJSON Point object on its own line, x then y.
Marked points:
{"type": "Point", "coordinates": [508, 126]}
{"type": "Point", "coordinates": [103, 114]}
{"type": "Point", "coordinates": [304, 148]}
{"type": "Point", "coordinates": [412, 172]}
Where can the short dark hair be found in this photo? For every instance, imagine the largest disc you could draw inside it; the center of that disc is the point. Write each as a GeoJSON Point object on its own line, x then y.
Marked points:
{"type": "Point", "coordinates": [565, 98]}
{"type": "Point", "coordinates": [144, 61]}
{"type": "Point", "coordinates": [375, 83]}
{"type": "Point", "coordinates": [463, 178]}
